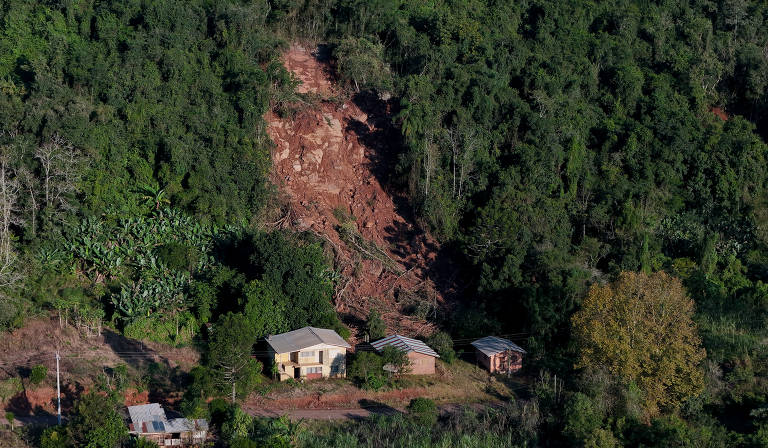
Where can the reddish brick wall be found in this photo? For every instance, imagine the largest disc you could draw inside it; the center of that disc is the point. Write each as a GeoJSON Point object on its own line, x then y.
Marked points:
{"type": "Point", "coordinates": [421, 364]}
{"type": "Point", "coordinates": [497, 362]}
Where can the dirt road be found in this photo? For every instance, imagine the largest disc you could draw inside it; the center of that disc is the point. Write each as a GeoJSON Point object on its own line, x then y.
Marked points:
{"type": "Point", "coordinates": [361, 412]}
{"type": "Point", "coordinates": [326, 414]}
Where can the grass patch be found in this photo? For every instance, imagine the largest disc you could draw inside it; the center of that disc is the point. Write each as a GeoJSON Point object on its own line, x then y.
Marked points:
{"type": "Point", "coordinates": [10, 387]}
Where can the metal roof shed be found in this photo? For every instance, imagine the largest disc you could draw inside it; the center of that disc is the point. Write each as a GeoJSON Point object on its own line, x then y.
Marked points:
{"type": "Point", "coordinates": [420, 355]}
{"type": "Point", "coordinates": [491, 345]}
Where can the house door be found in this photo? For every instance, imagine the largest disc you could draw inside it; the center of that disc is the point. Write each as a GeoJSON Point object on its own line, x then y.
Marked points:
{"type": "Point", "coordinates": [297, 372]}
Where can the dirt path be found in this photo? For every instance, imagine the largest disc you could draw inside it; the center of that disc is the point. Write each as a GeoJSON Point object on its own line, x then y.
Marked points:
{"type": "Point", "coordinates": [333, 160]}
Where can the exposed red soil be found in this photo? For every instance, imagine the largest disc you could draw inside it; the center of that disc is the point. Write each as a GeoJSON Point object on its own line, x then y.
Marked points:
{"type": "Point", "coordinates": [335, 155]}
{"type": "Point", "coordinates": [134, 397]}
{"type": "Point", "coordinates": [719, 112]}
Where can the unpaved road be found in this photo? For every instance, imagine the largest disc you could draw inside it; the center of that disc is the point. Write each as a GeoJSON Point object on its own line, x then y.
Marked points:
{"type": "Point", "coordinates": [359, 413]}
{"type": "Point", "coordinates": [327, 414]}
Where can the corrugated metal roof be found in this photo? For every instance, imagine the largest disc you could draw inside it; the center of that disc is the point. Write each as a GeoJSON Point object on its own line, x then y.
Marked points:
{"type": "Point", "coordinates": [186, 425]}
{"type": "Point", "coordinates": [146, 413]}
{"type": "Point", "coordinates": [180, 425]}
{"type": "Point", "coordinates": [405, 344]}
{"type": "Point", "coordinates": [491, 345]}
{"type": "Point", "coordinates": [150, 418]}
{"type": "Point", "coordinates": [305, 337]}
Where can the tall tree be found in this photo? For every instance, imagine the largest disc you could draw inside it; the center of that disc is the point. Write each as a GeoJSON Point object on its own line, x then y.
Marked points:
{"type": "Point", "coordinates": [230, 352]}
{"type": "Point", "coordinates": [640, 328]}
{"type": "Point", "coordinates": [96, 423]}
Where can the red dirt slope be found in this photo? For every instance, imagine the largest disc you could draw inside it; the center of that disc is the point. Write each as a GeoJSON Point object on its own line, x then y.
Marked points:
{"type": "Point", "coordinates": [335, 155]}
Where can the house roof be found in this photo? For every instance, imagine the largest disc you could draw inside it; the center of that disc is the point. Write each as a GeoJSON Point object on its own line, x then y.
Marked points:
{"type": "Point", "coordinates": [186, 425]}
{"type": "Point", "coordinates": [147, 418]}
{"type": "Point", "coordinates": [305, 337]}
{"type": "Point", "coordinates": [405, 344]}
{"type": "Point", "coordinates": [491, 345]}
{"type": "Point", "coordinates": [150, 418]}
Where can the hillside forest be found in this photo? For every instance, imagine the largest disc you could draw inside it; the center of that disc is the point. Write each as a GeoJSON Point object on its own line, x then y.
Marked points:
{"type": "Point", "coordinates": [596, 171]}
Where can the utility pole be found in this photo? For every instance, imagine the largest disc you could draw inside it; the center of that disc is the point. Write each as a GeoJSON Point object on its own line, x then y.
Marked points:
{"type": "Point", "coordinates": [58, 386]}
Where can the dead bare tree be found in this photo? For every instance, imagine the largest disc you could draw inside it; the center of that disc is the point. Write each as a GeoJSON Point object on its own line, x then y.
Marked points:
{"type": "Point", "coordinates": [463, 142]}
{"type": "Point", "coordinates": [9, 195]}
{"type": "Point", "coordinates": [429, 160]}
{"type": "Point", "coordinates": [29, 183]}
{"type": "Point", "coordinates": [59, 172]}
{"type": "Point", "coordinates": [470, 144]}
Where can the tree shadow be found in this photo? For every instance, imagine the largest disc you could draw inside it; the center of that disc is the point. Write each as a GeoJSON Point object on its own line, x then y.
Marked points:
{"type": "Point", "coordinates": [70, 393]}
{"type": "Point", "coordinates": [384, 146]}
{"type": "Point", "coordinates": [19, 404]}
{"type": "Point", "coordinates": [131, 351]}
{"type": "Point", "coordinates": [352, 320]}
{"type": "Point", "coordinates": [164, 379]}
{"type": "Point", "coordinates": [374, 407]}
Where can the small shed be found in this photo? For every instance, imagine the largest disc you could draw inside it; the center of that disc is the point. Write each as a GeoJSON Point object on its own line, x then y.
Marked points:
{"type": "Point", "coordinates": [150, 422]}
{"type": "Point", "coordinates": [422, 357]}
{"type": "Point", "coordinates": [498, 354]}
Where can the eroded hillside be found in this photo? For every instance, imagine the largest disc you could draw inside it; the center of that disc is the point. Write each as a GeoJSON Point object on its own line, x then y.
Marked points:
{"type": "Point", "coordinates": [332, 160]}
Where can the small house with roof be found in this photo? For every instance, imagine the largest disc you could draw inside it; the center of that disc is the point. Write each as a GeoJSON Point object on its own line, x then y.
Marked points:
{"type": "Point", "coordinates": [421, 357]}
{"type": "Point", "coordinates": [309, 353]}
{"type": "Point", "coordinates": [498, 354]}
{"type": "Point", "coordinates": [150, 422]}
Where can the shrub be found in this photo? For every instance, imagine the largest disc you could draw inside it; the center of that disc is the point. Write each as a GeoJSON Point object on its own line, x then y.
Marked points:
{"type": "Point", "coordinates": [219, 410]}
{"type": "Point", "coordinates": [38, 374]}
{"type": "Point", "coordinates": [442, 343]}
{"type": "Point", "coordinates": [55, 437]}
{"type": "Point", "coordinates": [365, 367]}
{"type": "Point", "coordinates": [423, 411]}
{"type": "Point", "coordinates": [178, 256]}
{"type": "Point", "coordinates": [396, 358]}
{"type": "Point", "coordinates": [141, 442]}
{"type": "Point", "coordinates": [374, 382]}
{"type": "Point", "coordinates": [10, 387]}
{"type": "Point", "coordinates": [375, 327]}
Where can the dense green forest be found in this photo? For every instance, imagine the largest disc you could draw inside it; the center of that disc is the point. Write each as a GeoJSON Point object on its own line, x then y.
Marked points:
{"type": "Point", "coordinates": [550, 146]}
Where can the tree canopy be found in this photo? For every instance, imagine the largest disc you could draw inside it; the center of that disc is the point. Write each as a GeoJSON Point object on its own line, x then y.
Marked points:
{"type": "Point", "coordinates": [641, 328]}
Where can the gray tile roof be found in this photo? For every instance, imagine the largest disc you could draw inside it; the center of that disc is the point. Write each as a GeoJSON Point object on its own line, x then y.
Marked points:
{"type": "Point", "coordinates": [491, 345]}
{"type": "Point", "coordinates": [405, 344]}
{"type": "Point", "coordinates": [305, 337]}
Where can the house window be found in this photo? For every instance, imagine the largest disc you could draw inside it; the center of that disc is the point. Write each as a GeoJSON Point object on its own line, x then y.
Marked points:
{"type": "Point", "coordinates": [309, 354]}
{"type": "Point", "coordinates": [314, 370]}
